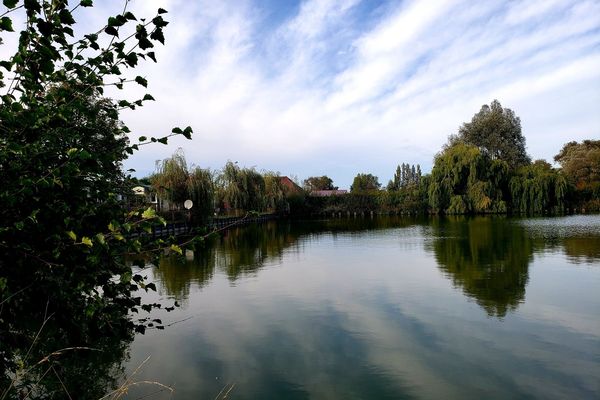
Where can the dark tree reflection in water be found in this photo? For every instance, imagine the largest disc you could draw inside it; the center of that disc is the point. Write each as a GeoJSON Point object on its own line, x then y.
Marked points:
{"type": "Point", "coordinates": [487, 257]}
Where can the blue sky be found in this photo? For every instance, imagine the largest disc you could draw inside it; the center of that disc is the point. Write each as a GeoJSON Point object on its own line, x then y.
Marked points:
{"type": "Point", "coordinates": [341, 87]}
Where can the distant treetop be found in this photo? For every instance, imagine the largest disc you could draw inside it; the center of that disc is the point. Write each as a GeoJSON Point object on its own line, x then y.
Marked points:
{"type": "Point", "coordinates": [315, 183]}
{"type": "Point", "coordinates": [496, 131]}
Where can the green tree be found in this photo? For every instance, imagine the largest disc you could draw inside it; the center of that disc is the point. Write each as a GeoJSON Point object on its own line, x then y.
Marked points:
{"type": "Point", "coordinates": [538, 188]}
{"type": "Point", "coordinates": [465, 180]}
{"type": "Point", "coordinates": [496, 131]}
{"type": "Point", "coordinates": [365, 183]}
{"type": "Point", "coordinates": [243, 189]}
{"type": "Point", "coordinates": [319, 183]}
{"type": "Point", "coordinates": [580, 164]}
{"type": "Point", "coordinates": [405, 175]}
{"type": "Point", "coordinates": [176, 183]}
{"type": "Point", "coordinates": [66, 240]}
{"type": "Point", "coordinates": [201, 190]}
{"type": "Point", "coordinates": [171, 179]}
{"type": "Point", "coordinates": [275, 193]}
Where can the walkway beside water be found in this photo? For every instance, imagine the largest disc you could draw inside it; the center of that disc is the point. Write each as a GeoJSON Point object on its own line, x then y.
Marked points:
{"type": "Point", "coordinates": [185, 228]}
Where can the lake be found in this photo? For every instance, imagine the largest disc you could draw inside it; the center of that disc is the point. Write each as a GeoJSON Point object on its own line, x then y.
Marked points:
{"type": "Point", "coordinates": [382, 308]}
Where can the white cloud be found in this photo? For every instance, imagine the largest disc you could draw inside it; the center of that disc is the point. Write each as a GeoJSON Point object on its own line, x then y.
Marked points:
{"type": "Point", "coordinates": [339, 87]}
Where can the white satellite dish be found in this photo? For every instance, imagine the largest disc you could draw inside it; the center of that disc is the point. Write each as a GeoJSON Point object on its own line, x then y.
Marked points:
{"type": "Point", "coordinates": [188, 204]}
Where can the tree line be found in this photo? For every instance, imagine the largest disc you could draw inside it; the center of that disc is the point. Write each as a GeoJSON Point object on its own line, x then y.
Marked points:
{"type": "Point", "coordinates": [233, 190]}
{"type": "Point", "coordinates": [483, 168]}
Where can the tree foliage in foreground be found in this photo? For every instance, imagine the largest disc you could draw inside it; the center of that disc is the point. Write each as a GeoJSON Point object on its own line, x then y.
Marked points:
{"type": "Point", "coordinates": [66, 241]}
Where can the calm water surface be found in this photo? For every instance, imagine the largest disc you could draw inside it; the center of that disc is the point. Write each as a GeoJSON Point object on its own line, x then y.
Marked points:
{"type": "Point", "coordinates": [447, 308]}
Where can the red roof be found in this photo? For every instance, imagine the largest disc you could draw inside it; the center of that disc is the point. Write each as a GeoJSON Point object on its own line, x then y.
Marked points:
{"type": "Point", "coordinates": [289, 185]}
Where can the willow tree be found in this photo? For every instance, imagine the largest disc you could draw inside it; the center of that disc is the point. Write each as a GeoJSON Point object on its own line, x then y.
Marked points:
{"type": "Point", "coordinates": [171, 179]}
{"type": "Point", "coordinates": [176, 183]}
{"type": "Point", "coordinates": [201, 190]}
{"type": "Point", "coordinates": [465, 180]}
{"type": "Point", "coordinates": [538, 188]}
{"type": "Point", "coordinates": [274, 192]}
{"type": "Point", "coordinates": [242, 189]}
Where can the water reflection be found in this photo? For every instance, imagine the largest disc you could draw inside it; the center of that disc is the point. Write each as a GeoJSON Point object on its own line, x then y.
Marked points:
{"type": "Point", "coordinates": [243, 251]}
{"type": "Point", "coordinates": [487, 257]}
{"type": "Point", "coordinates": [366, 309]}
{"type": "Point", "coordinates": [582, 249]}
{"type": "Point", "coordinates": [578, 236]}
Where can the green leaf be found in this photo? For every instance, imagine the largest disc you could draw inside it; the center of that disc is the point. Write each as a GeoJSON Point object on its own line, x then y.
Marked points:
{"type": "Point", "coordinates": [101, 239]}
{"type": "Point", "coordinates": [176, 249]}
{"type": "Point", "coordinates": [187, 132]}
{"type": "Point", "coordinates": [111, 30]}
{"type": "Point", "coordinates": [86, 3]}
{"type": "Point", "coordinates": [126, 277]}
{"type": "Point", "coordinates": [142, 138]}
{"type": "Point", "coordinates": [141, 81]}
{"type": "Point", "coordinates": [131, 59]}
{"type": "Point", "coordinates": [149, 213]}
{"type": "Point", "coordinates": [176, 130]}
{"type": "Point", "coordinates": [162, 11]}
{"type": "Point", "coordinates": [158, 35]}
{"type": "Point", "coordinates": [87, 241]}
{"type": "Point", "coordinates": [10, 3]}
{"type": "Point", "coordinates": [159, 22]}
{"type": "Point", "coordinates": [130, 16]}
{"type": "Point", "coordinates": [72, 235]}
{"type": "Point", "coordinates": [66, 17]}
{"type": "Point", "coordinates": [148, 97]}
{"type": "Point", "coordinates": [6, 24]}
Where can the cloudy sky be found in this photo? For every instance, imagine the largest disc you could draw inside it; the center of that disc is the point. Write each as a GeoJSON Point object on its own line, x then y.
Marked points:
{"type": "Point", "coordinates": [339, 87]}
